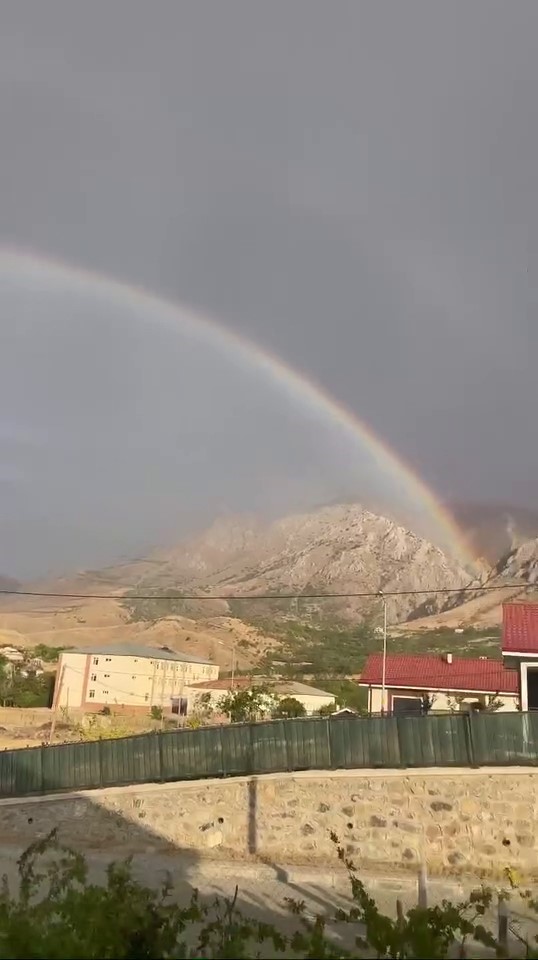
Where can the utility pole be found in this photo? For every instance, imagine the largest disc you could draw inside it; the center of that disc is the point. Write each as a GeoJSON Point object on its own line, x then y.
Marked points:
{"type": "Point", "coordinates": [180, 695]}
{"type": "Point", "coordinates": [384, 663]}
{"type": "Point", "coordinates": [56, 704]}
{"type": "Point", "coordinates": [232, 679]}
{"type": "Point", "coordinates": [232, 650]}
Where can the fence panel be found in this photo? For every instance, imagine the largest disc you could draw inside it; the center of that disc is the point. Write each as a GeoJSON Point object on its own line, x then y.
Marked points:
{"type": "Point", "coordinates": [269, 747]}
{"type": "Point", "coordinates": [20, 772]}
{"type": "Point", "coordinates": [504, 738]}
{"type": "Point", "coordinates": [7, 773]}
{"type": "Point", "coordinates": [191, 754]}
{"type": "Point", "coordinates": [272, 746]}
{"type": "Point", "coordinates": [236, 748]}
{"type": "Point", "coordinates": [130, 760]}
{"type": "Point", "coordinates": [308, 744]}
{"type": "Point", "coordinates": [359, 742]}
{"type": "Point", "coordinates": [347, 742]}
{"type": "Point", "coordinates": [434, 741]}
{"type": "Point", "coordinates": [71, 766]}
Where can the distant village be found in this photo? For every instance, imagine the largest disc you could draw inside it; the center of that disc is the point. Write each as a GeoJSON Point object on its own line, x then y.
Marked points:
{"type": "Point", "coordinates": [132, 680]}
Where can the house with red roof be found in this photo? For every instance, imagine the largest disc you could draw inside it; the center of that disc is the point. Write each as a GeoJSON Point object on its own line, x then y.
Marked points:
{"type": "Point", "coordinates": [520, 649]}
{"type": "Point", "coordinates": [402, 683]}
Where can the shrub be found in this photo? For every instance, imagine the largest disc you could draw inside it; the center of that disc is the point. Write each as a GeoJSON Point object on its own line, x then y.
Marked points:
{"type": "Point", "coordinates": [288, 708]}
{"type": "Point", "coordinates": [242, 705]}
{"type": "Point", "coordinates": [59, 913]}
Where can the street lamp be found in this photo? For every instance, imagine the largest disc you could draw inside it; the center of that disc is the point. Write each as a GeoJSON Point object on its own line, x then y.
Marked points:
{"type": "Point", "coordinates": [384, 662]}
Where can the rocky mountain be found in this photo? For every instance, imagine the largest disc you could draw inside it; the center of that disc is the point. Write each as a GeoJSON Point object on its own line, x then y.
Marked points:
{"type": "Point", "coordinates": [496, 529]}
{"type": "Point", "coordinates": [515, 576]}
{"type": "Point", "coordinates": [520, 564]}
{"type": "Point", "coordinates": [341, 548]}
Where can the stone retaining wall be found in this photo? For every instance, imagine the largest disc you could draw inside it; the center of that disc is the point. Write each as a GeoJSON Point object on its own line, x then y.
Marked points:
{"type": "Point", "coordinates": [455, 821]}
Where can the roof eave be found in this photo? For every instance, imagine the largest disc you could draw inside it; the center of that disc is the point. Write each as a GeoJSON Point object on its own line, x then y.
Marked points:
{"type": "Point", "coordinates": [400, 686]}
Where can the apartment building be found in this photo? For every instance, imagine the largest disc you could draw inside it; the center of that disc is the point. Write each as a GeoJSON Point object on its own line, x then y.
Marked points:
{"type": "Point", "coordinates": [128, 676]}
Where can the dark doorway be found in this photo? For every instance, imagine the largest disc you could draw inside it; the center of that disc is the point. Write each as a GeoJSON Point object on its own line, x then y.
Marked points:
{"type": "Point", "coordinates": [407, 705]}
{"type": "Point", "coordinates": [179, 706]}
{"type": "Point", "coordinates": [532, 689]}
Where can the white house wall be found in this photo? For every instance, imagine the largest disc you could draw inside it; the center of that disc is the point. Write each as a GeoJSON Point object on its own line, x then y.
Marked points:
{"type": "Point", "coordinates": [70, 688]}
{"type": "Point", "coordinates": [442, 701]}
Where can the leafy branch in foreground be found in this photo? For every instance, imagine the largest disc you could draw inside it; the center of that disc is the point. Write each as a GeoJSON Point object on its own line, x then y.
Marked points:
{"type": "Point", "coordinates": [59, 913]}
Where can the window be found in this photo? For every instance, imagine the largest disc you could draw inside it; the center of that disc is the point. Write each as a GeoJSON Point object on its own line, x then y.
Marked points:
{"type": "Point", "coordinates": [108, 659]}
{"type": "Point", "coordinates": [407, 705]}
{"type": "Point", "coordinates": [91, 694]}
{"type": "Point", "coordinates": [146, 696]}
{"type": "Point", "coordinates": [105, 691]}
{"type": "Point", "coordinates": [106, 675]}
{"type": "Point", "coordinates": [133, 676]}
{"type": "Point", "coordinates": [93, 676]}
{"type": "Point", "coordinates": [95, 661]}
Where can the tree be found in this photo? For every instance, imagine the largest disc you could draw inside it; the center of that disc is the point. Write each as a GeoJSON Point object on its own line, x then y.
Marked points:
{"type": "Point", "coordinates": [202, 711]}
{"type": "Point", "coordinates": [327, 709]}
{"type": "Point", "coordinates": [18, 690]}
{"type": "Point", "coordinates": [288, 708]}
{"type": "Point", "coordinates": [242, 706]}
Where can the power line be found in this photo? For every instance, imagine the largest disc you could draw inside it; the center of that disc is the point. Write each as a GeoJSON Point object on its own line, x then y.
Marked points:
{"type": "Point", "coordinates": [376, 594]}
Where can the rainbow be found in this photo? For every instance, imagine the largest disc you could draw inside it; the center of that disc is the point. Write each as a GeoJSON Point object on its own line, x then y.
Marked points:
{"type": "Point", "coordinates": [49, 274]}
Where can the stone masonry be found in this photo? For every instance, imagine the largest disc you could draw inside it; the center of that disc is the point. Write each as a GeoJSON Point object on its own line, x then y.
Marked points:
{"type": "Point", "coordinates": [474, 822]}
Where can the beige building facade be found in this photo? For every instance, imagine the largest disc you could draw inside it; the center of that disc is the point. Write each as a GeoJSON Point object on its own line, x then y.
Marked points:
{"type": "Point", "coordinates": [128, 677]}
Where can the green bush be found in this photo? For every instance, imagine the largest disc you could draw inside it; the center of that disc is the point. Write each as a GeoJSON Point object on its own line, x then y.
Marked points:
{"type": "Point", "coordinates": [16, 690]}
{"type": "Point", "coordinates": [243, 706]}
{"type": "Point", "coordinates": [288, 708]}
{"type": "Point", "coordinates": [58, 913]}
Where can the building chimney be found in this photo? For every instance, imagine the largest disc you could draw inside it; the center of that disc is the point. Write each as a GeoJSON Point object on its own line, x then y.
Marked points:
{"type": "Point", "coordinates": [448, 658]}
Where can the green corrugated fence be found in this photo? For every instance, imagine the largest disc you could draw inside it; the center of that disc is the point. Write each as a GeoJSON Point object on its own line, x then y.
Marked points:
{"type": "Point", "coordinates": [273, 746]}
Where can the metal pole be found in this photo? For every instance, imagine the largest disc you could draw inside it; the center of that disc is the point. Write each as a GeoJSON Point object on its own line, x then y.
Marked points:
{"type": "Point", "coordinates": [384, 667]}
{"type": "Point", "coordinates": [233, 667]}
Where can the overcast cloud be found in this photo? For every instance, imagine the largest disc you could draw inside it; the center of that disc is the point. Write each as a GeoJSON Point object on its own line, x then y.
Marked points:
{"type": "Point", "coordinates": [351, 184]}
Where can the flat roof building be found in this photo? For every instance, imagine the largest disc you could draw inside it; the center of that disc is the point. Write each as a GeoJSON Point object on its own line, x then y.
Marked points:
{"type": "Point", "coordinates": [128, 676]}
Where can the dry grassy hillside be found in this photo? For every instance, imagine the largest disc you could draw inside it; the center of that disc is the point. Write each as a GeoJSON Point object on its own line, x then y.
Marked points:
{"type": "Point", "coordinates": [79, 622]}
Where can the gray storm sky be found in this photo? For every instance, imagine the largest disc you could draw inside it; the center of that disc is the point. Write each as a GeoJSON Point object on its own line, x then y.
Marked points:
{"type": "Point", "coordinates": [351, 184]}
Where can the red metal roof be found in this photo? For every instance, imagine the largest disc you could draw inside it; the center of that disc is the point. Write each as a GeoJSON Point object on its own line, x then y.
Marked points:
{"type": "Point", "coordinates": [422, 672]}
{"type": "Point", "coordinates": [520, 628]}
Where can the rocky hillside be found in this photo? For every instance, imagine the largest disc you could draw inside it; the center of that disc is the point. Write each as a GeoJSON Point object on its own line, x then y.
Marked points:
{"type": "Point", "coordinates": [341, 548]}
{"type": "Point", "coordinates": [515, 576]}
{"type": "Point", "coordinates": [494, 530]}
{"type": "Point", "coordinates": [336, 549]}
